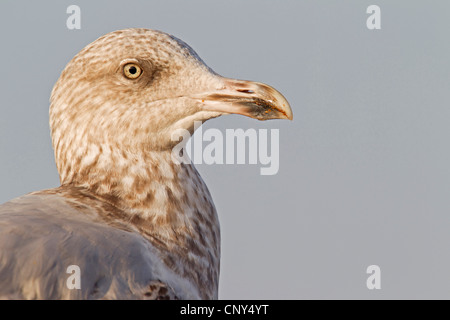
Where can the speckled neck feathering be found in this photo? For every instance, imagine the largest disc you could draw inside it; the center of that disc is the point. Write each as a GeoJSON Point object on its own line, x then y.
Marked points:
{"type": "Point", "coordinates": [148, 222]}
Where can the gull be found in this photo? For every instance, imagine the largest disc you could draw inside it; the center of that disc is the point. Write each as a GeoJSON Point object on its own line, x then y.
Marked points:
{"type": "Point", "coordinates": [127, 222]}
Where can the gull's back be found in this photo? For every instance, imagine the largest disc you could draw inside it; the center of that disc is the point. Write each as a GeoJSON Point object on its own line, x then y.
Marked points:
{"type": "Point", "coordinates": [44, 233]}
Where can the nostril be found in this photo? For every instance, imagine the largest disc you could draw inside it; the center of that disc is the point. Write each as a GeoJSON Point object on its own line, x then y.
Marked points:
{"type": "Point", "coordinates": [245, 91]}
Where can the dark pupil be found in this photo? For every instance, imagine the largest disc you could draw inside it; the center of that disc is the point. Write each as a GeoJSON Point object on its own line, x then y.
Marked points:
{"type": "Point", "coordinates": [133, 70]}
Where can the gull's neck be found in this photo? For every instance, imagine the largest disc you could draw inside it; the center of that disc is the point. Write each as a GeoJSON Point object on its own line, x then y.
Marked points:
{"type": "Point", "coordinates": [168, 203]}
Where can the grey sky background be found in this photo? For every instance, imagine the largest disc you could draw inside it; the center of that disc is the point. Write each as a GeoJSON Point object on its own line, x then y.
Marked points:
{"type": "Point", "coordinates": [364, 167]}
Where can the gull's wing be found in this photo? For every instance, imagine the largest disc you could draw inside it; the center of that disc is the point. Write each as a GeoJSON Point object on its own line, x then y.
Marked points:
{"type": "Point", "coordinates": [42, 234]}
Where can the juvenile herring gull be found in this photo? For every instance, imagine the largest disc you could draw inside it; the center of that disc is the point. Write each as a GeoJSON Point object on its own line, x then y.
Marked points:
{"type": "Point", "coordinates": [135, 223]}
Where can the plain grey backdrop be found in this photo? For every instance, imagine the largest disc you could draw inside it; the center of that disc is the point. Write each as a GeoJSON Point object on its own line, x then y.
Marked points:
{"type": "Point", "coordinates": [364, 167]}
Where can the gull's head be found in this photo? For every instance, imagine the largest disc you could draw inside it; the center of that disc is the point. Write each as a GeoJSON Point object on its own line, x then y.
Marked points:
{"type": "Point", "coordinates": [132, 89]}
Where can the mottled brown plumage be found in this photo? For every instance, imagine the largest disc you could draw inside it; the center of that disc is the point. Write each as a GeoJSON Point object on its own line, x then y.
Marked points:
{"type": "Point", "coordinates": [138, 224]}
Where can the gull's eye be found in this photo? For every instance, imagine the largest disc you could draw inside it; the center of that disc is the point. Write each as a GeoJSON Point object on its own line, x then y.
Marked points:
{"type": "Point", "coordinates": [132, 70]}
